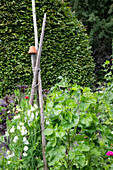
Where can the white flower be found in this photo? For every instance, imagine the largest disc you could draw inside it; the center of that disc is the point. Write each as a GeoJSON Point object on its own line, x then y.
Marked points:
{"type": "Point", "coordinates": [32, 109]}
{"type": "Point", "coordinates": [36, 114]}
{"type": "Point", "coordinates": [12, 129]}
{"type": "Point", "coordinates": [8, 152]}
{"type": "Point", "coordinates": [24, 154]}
{"type": "Point", "coordinates": [111, 132]}
{"type": "Point", "coordinates": [35, 106]}
{"type": "Point", "coordinates": [25, 118]}
{"type": "Point", "coordinates": [15, 139]}
{"type": "Point", "coordinates": [100, 91]}
{"type": "Point", "coordinates": [23, 128]}
{"type": "Point", "coordinates": [7, 134]}
{"type": "Point", "coordinates": [9, 156]}
{"type": "Point", "coordinates": [21, 123]}
{"type": "Point", "coordinates": [32, 115]}
{"type": "Point", "coordinates": [16, 117]}
{"type": "Point", "coordinates": [23, 131]}
{"type": "Point", "coordinates": [25, 141]}
{"type": "Point", "coordinates": [47, 122]}
{"type": "Point", "coordinates": [18, 108]}
{"type": "Point", "coordinates": [12, 154]}
{"type": "Point", "coordinates": [31, 118]}
{"type": "Point", "coordinates": [8, 162]}
{"type": "Point", "coordinates": [29, 113]}
{"type": "Point", "coordinates": [26, 148]}
{"type": "Point", "coordinates": [18, 127]}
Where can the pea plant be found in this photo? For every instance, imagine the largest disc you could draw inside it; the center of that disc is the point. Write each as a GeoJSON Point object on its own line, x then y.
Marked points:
{"type": "Point", "coordinates": [23, 138]}
{"type": "Point", "coordinates": [78, 128]}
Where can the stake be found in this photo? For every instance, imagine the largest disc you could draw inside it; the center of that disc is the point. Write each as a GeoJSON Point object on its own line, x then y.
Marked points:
{"type": "Point", "coordinates": [42, 119]}
{"type": "Point", "coordinates": [33, 61]}
{"type": "Point", "coordinates": [35, 25]}
{"type": "Point", "coordinates": [36, 47]}
{"type": "Point", "coordinates": [37, 72]}
{"type": "Point", "coordinates": [33, 51]}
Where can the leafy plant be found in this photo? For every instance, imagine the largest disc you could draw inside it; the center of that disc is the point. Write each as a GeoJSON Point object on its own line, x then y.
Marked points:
{"type": "Point", "coordinates": [23, 139]}
{"type": "Point", "coordinates": [77, 130]}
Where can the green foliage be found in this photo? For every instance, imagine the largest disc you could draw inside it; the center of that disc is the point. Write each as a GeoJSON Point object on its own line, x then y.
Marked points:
{"type": "Point", "coordinates": [97, 17]}
{"type": "Point", "coordinates": [78, 128]}
{"type": "Point", "coordinates": [65, 51]}
{"type": "Point", "coordinates": [99, 22]}
{"type": "Point", "coordinates": [108, 73]}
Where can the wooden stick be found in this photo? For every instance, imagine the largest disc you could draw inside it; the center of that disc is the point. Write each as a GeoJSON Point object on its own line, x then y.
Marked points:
{"type": "Point", "coordinates": [31, 102]}
{"type": "Point", "coordinates": [33, 61]}
{"type": "Point", "coordinates": [37, 63]}
{"type": "Point", "coordinates": [37, 72]}
{"type": "Point", "coordinates": [42, 119]}
{"type": "Point", "coordinates": [35, 25]}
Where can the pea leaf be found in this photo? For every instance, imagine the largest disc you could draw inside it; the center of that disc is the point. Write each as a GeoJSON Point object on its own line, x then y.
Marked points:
{"type": "Point", "coordinates": [48, 131]}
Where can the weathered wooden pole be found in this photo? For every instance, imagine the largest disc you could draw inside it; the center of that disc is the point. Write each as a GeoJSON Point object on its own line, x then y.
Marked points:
{"type": "Point", "coordinates": [33, 58]}
{"type": "Point", "coordinates": [35, 25]}
{"type": "Point", "coordinates": [33, 61]}
{"type": "Point", "coordinates": [37, 67]}
{"type": "Point", "coordinates": [33, 52]}
{"type": "Point", "coordinates": [34, 84]}
{"type": "Point", "coordinates": [42, 120]}
{"type": "Point", "coordinates": [41, 96]}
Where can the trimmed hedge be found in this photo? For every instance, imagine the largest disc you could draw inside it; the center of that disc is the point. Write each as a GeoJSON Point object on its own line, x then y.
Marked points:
{"type": "Point", "coordinates": [65, 51]}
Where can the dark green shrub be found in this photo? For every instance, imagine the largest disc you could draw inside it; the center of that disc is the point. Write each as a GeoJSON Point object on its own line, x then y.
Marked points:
{"type": "Point", "coordinates": [65, 52]}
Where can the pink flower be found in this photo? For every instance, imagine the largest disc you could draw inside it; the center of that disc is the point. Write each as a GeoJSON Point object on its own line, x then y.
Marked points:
{"type": "Point", "coordinates": [16, 111]}
{"type": "Point", "coordinates": [109, 153]}
{"type": "Point", "coordinates": [26, 97]}
{"type": "Point", "coordinates": [68, 89]}
{"type": "Point", "coordinates": [85, 137]}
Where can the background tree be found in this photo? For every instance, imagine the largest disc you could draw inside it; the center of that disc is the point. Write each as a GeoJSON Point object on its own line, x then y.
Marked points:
{"type": "Point", "coordinates": [97, 16]}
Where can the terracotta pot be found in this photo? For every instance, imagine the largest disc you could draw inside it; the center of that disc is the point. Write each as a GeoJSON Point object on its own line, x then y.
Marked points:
{"type": "Point", "coordinates": [32, 50]}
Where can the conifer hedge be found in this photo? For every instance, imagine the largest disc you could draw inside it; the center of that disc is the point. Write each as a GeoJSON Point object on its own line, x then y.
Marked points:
{"type": "Point", "coordinates": [66, 50]}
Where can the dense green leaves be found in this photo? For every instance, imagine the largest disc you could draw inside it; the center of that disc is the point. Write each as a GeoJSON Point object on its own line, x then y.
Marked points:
{"type": "Point", "coordinates": [81, 132]}
{"type": "Point", "coordinates": [97, 16]}
{"type": "Point", "coordinates": [65, 51]}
